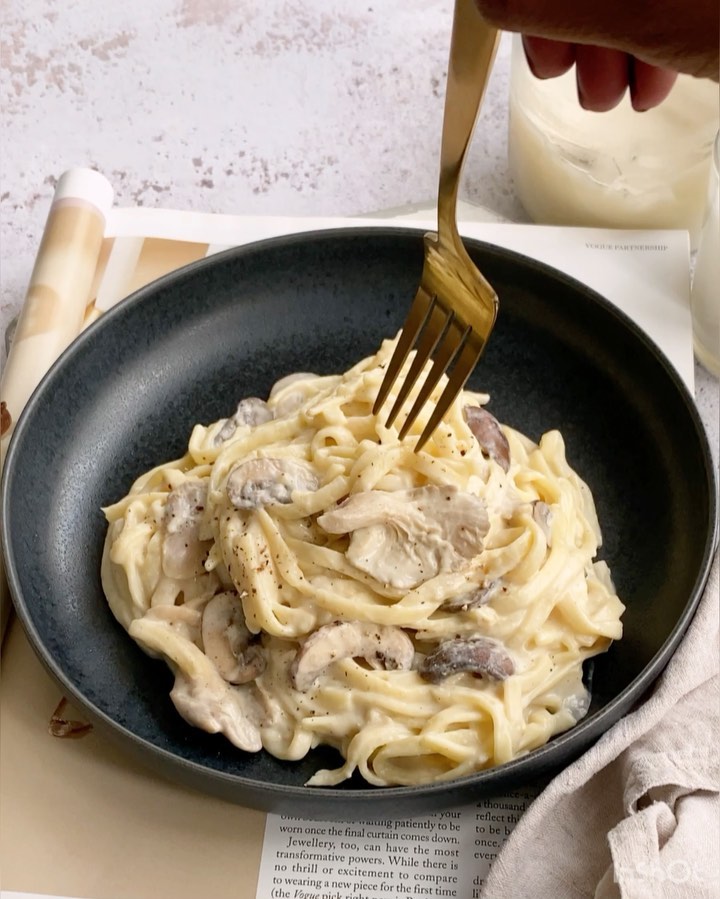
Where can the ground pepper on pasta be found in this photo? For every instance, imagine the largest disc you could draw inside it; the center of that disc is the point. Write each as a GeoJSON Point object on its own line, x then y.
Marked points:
{"type": "Point", "coordinates": [310, 580]}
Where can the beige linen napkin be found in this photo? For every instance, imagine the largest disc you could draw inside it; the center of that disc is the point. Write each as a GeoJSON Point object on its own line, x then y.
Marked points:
{"type": "Point", "coordinates": [638, 815]}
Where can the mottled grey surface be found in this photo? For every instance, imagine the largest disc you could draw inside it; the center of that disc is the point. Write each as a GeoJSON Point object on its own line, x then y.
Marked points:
{"type": "Point", "coordinates": [330, 107]}
{"type": "Point", "coordinates": [283, 107]}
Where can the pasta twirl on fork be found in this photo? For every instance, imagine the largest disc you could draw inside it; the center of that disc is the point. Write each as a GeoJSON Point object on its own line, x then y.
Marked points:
{"type": "Point", "coordinates": [312, 580]}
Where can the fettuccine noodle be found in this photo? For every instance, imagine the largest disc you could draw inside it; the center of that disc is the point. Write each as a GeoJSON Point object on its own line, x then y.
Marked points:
{"type": "Point", "coordinates": [311, 580]}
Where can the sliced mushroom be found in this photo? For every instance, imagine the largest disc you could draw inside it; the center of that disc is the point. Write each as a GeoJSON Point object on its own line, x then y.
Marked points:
{"type": "Point", "coordinates": [488, 433]}
{"type": "Point", "coordinates": [381, 646]}
{"type": "Point", "coordinates": [542, 515]}
{"type": "Point", "coordinates": [480, 656]}
{"type": "Point", "coordinates": [405, 537]}
{"type": "Point", "coordinates": [251, 411]}
{"type": "Point", "coordinates": [474, 598]}
{"type": "Point", "coordinates": [264, 482]}
{"type": "Point", "coordinates": [183, 552]}
{"type": "Point", "coordinates": [227, 641]}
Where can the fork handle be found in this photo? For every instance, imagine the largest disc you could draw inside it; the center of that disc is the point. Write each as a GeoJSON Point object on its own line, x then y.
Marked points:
{"type": "Point", "coordinates": [472, 51]}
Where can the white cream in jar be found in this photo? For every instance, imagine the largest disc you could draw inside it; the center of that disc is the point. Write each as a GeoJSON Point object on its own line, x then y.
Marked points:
{"type": "Point", "coordinates": [617, 169]}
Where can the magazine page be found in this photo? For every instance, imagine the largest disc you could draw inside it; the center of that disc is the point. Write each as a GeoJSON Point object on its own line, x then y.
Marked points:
{"type": "Point", "coordinates": [447, 853]}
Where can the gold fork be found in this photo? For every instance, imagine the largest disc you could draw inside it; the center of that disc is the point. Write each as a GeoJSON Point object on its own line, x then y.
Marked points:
{"type": "Point", "coordinates": [455, 308]}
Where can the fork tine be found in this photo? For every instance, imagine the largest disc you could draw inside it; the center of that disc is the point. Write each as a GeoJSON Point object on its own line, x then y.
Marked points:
{"type": "Point", "coordinates": [466, 362]}
{"type": "Point", "coordinates": [438, 322]}
{"type": "Point", "coordinates": [450, 279]}
{"type": "Point", "coordinates": [447, 351]}
{"type": "Point", "coordinates": [419, 313]}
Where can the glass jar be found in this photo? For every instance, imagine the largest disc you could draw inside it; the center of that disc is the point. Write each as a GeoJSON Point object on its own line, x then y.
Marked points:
{"type": "Point", "coordinates": [616, 169]}
{"type": "Point", "coordinates": [705, 292]}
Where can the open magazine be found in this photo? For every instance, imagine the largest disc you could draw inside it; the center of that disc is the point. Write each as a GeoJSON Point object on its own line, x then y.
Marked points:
{"type": "Point", "coordinates": [94, 255]}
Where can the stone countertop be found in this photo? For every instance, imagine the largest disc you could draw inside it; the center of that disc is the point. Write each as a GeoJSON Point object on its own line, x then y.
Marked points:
{"type": "Point", "coordinates": [281, 107]}
{"type": "Point", "coordinates": [331, 107]}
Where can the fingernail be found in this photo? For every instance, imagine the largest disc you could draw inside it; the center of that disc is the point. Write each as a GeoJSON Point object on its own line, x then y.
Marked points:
{"type": "Point", "coordinates": [638, 107]}
{"type": "Point", "coordinates": [531, 64]}
{"type": "Point", "coordinates": [582, 98]}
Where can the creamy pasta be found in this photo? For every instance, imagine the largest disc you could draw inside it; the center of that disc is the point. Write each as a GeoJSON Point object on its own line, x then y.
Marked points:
{"type": "Point", "coordinates": [310, 580]}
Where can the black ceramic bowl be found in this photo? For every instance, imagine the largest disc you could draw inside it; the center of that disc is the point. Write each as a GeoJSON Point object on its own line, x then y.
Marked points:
{"type": "Point", "coordinates": [125, 396]}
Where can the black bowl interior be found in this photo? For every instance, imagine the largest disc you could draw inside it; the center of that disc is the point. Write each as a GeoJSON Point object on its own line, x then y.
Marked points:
{"type": "Point", "coordinates": [184, 350]}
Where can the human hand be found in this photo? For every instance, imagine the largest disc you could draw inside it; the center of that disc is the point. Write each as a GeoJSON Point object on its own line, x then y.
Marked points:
{"type": "Point", "coordinates": [603, 74]}
{"type": "Point", "coordinates": [614, 45]}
